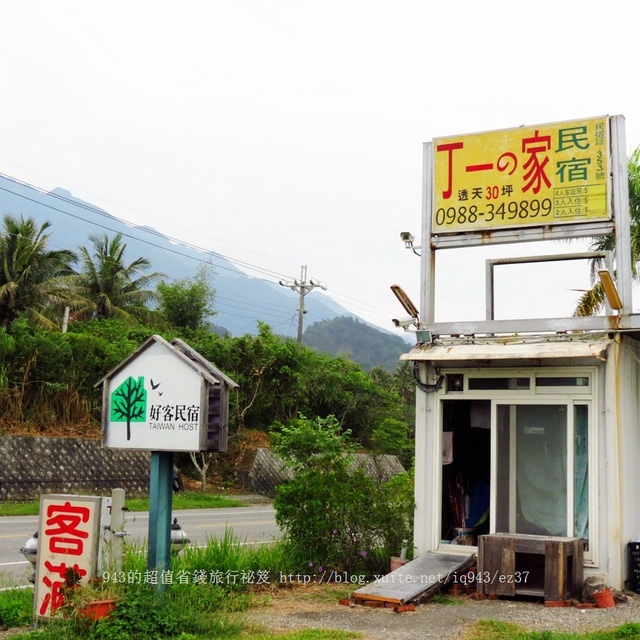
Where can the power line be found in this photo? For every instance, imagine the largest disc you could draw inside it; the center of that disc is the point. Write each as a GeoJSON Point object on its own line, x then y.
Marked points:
{"type": "Point", "coordinates": [211, 254]}
{"type": "Point", "coordinates": [154, 232]}
{"type": "Point", "coordinates": [129, 208]}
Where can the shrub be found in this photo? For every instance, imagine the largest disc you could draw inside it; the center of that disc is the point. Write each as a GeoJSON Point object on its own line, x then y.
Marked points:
{"type": "Point", "coordinates": [340, 518]}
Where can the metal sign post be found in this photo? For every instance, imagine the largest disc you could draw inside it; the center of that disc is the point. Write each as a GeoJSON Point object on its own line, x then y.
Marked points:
{"type": "Point", "coordinates": [160, 502]}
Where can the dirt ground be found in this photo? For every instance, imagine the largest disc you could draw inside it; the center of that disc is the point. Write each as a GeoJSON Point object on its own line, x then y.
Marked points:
{"type": "Point", "coordinates": [318, 607]}
{"type": "Point", "coordinates": [314, 607]}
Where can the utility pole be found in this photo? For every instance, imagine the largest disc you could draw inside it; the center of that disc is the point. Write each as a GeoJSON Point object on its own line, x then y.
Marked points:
{"type": "Point", "coordinates": [302, 287]}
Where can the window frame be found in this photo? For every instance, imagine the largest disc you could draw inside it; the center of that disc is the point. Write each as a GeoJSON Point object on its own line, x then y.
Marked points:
{"type": "Point", "coordinates": [567, 396]}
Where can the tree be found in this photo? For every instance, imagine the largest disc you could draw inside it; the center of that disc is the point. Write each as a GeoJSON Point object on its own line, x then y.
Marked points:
{"type": "Point", "coordinates": [593, 300]}
{"type": "Point", "coordinates": [187, 302]}
{"type": "Point", "coordinates": [111, 288]}
{"type": "Point", "coordinates": [201, 461]}
{"type": "Point", "coordinates": [129, 403]}
{"type": "Point", "coordinates": [30, 273]}
{"type": "Point", "coordinates": [393, 437]}
{"type": "Point", "coordinates": [333, 514]}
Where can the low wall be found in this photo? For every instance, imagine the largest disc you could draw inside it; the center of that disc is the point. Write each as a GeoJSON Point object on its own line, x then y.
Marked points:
{"type": "Point", "coordinates": [268, 471]}
{"type": "Point", "coordinates": [31, 465]}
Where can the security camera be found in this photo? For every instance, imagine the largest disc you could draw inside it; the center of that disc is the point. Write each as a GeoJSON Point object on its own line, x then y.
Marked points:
{"type": "Point", "coordinates": [406, 237]}
{"type": "Point", "coordinates": [405, 323]}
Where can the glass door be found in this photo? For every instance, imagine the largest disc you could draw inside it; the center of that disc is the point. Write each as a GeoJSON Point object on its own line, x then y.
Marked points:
{"type": "Point", "coordinates": [532, 467]}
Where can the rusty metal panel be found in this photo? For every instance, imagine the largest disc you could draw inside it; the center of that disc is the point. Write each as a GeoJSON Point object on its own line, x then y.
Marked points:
{"type": "Point", "coordinates": [416, 579]}
{"type": "Point", "coordinates": [505, 350]}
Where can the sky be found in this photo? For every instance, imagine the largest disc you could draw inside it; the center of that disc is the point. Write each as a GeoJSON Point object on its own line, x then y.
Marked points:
{"type": "Point", "coordinates": [283, 133]}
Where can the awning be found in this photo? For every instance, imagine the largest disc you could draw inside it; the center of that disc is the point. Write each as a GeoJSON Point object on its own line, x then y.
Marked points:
{"type": "Point", "coordinates": [497, 350]}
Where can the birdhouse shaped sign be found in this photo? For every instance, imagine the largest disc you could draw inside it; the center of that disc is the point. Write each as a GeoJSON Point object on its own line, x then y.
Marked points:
{"type": "Point", "coordinates": [166, 397]}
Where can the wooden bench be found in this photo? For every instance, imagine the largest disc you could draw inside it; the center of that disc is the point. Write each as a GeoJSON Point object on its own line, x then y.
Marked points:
{"type": "Point", "coordinates": [512, 564]}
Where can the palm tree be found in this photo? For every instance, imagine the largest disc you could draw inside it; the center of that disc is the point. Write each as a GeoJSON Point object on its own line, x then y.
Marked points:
{"type": "Point", "coordinates": [30, 273]}
{"type": "Point", "coordinates": [114, 289]}
{"type": "Point", "coordinates": [593, 300]}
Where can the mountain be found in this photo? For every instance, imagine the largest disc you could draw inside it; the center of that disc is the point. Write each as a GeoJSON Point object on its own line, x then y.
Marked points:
{"type": "Point", "coordinates": [359, 341]}
{"type": "Point", "coordinates": [241, 300]}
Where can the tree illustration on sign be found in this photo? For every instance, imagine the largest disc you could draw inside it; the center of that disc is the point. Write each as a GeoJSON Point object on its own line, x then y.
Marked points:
{"type": "Point", "coordinates": [129, 403]}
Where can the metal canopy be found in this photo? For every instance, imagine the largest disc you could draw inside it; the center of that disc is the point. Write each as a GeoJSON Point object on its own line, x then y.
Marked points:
{"type": "Point", "coordinates": [510, 351]}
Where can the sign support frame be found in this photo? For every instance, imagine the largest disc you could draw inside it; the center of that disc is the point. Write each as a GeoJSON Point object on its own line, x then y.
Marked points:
{"type": "Point", "coordinates": [160, 505]}
{"type": "Point", "coordinates": [619, 226]}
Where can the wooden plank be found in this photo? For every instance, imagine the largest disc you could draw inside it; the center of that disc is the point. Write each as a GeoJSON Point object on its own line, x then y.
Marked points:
{"type": "Point", "coordinates": [577, 569]}
{"type": "Point", "coordinates": [529, 546]}
{"type": "Point", "coordinates": [490, 561]}
{"type": "Point", "coordinates": [505, 584]}
{"type": "Point", "coordinates": [554, 571]}
{"type": "Point", "coordinates": [416, 579]}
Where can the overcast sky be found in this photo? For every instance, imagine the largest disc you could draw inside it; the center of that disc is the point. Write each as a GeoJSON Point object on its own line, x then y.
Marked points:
{"type": "Point", "coordinates": [289, 132]}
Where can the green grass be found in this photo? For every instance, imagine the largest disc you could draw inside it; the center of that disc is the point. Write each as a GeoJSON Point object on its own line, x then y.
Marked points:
{"type": "Point", "coordinates": [497, 630]}
{"type": "Point", "coordinates": [190, 500]}
{"type": "Point", "coordinates": [9, 508]}
{"type": "Point", "coordinates": [189, 613]}
{"type": "Point", "coordinates": [16, 607]}
{"type": "Point", "coordinates": [187, 500]}
{"type": "Point", "coordinates": [306, 634]}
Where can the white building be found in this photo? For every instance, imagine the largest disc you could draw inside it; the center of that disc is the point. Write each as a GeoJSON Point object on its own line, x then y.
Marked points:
{"type": "Point", "coordinates": [529, 426]}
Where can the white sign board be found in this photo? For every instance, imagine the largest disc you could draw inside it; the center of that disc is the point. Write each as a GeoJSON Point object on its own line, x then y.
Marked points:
{"type": "Point", "coordinates": [154, 403]}
{"type": "Point", "coordinates": [68, 538]}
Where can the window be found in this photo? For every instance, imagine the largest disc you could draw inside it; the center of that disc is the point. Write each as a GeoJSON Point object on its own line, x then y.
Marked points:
{"type": "Point", "coordinates": [517, 446]}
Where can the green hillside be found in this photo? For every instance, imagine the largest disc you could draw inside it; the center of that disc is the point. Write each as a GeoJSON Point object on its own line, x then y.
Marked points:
{"type": "Point", "coordinates": [358, 341]}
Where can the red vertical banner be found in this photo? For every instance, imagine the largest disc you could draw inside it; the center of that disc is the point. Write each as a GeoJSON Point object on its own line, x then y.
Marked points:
{"type": "Point", "coordinates": [68, 540]}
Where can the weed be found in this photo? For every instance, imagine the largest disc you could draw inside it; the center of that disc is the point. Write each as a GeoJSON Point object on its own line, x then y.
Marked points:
{"type": "Point", "coordinates": [229, 563]}
{"type": "Point", "coordinates": [441, 598]}
{"type": "Point", "coordinates": [16, 607]}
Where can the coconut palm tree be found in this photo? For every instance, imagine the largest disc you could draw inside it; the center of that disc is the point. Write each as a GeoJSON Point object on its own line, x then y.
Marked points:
{"type": "Point", "coordinates": [593, 300]}
{"type": "Point", "coordinates": [30, 273]}
{"type": "Point", "coordinates": [112, 288]}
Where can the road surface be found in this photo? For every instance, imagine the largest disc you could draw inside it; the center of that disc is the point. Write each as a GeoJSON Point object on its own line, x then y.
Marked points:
{"type": "Point", "coordinates": [250, 524]}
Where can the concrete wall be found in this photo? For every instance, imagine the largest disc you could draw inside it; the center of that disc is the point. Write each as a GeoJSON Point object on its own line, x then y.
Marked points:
{"type": "Point", "coordinates": [268, 471]}
{"type": "Point", "coordinates": [30, 466]}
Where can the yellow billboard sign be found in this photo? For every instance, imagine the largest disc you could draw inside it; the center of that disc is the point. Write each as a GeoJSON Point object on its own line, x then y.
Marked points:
{"type": "Point", "coordinates": [530, 176]}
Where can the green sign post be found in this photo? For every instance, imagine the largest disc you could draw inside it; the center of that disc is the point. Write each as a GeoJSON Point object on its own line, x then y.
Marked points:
{"type": "Point", "coordinates": [160, 502]}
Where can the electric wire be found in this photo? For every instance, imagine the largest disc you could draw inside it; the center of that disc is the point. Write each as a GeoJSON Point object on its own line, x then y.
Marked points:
{"type": "Point", "coordinates": [370, 309]}
{"type": "Point", "coordinates": [153, 232]}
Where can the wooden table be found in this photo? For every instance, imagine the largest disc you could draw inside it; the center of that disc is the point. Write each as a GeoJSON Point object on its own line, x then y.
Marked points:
{"type": "Point", "coordinates": [512, 564]}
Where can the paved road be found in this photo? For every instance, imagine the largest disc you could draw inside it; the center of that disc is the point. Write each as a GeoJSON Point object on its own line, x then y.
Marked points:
{"type": "Point", "coordinates": [250, 524]}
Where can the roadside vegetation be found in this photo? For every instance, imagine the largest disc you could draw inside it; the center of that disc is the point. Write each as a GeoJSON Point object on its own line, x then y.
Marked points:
{"type": "Point", "coordinates": [211, 588]}
{"type": "Point", "coordinates": [113, 304]}
{"type": "Point", "coordinates": [336, 515]}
